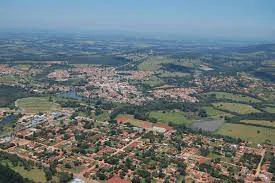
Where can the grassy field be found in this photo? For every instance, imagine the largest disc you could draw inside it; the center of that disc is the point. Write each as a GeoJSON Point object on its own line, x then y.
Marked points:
{"type": "Point", "coordinates": [259, 122]}
{"type": "Point", "coordinates": [103, 117]}
{"type": "Point", "coordinates": [214, 113]}
{"type": "Point", "coordinates": [153, 63]}
{"type": "Point", "coordinates": [235, 97]}
{"type": "Point", "coordinates": [170, 116]}
{"type": "Point", "coordinates": [136, 122]}
{"type": "Point", "coordinates": [35, 174]}
{"type": "Point", "coordinates": [153, 81]}
{"type": "Point", "coordinates": [246, 132]}
{"type": "Point", "coordinates": [23, 67]}
{"type": "Point", "coordinates": [36, 104]}
{"type": "Point", "coordinates": [270, 109]}
{"type": "Point", "coordinates": [235, 107]}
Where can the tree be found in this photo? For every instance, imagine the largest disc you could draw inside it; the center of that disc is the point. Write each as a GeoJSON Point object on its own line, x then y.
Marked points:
{"type": "Point", "coordinates": [48, 174]}
{"type": "Point", "coordinates": [136, 179]}
{"type": "Point", "coordinates": [65, 177]}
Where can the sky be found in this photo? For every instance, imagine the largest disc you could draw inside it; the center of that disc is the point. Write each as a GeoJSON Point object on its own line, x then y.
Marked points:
{"type": "Point", "coordinates": [204, 18]}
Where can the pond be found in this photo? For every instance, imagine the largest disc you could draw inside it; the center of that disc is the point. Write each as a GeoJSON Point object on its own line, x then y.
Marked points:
{"type": "Point", "coordinates": [70, 94]}
{"type": "Point", "coordinates": [207, 125]}
{"type": "Point", "coordinates": [8, 119]}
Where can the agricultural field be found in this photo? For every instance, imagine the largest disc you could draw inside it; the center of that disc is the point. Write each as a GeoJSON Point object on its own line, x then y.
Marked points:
{"type": "Point", "coordinates": [260, 122]}
{"type": "Point", "coordinates": [234, 97]}
{"type": "Point", "coordinates": [36, 104]}
{"type": "Point", "coordinates": [174, 117]}
{"type": "Point", "coordinates": [247, 132]}
{"type": "Point", "coordinates": [235, 107]}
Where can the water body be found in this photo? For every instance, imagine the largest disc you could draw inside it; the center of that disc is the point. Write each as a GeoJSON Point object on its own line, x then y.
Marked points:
{"type": "Point", "coordinates": [8, 119]}
{"type": "Point", "coordinates": [207, 125]}
{"type": "Point", "coordinates": [70, 94]}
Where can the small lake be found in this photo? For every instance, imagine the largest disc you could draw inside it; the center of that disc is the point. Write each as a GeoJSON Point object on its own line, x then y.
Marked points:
{"type": "Point", "coordinates": [8, 119]}
{"type": "Point", "coordinates": [207, 125]}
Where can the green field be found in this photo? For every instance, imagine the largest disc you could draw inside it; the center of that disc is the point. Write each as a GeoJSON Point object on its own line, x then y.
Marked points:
{"type": "Point", "coordinates": [103, 117]}
{"type": "Point", "coordinates": [260, 122]}
{"type": "Point", "coordinates": [153, 63]}
{"type": "Point", "coordinates": [170, 116]}
{"type": "Point", "coordinates": [235, 107]}
{"type": "Point", "coordinates": [36, 104]}
{"type": "Point", "coordinates": [247, 132]}
{"type": "Point", "coordinates": [35, 174]}
{"type": "Point", "coordinates": [235, 97]}
{"type": "Point", "coordinates": [153, 81]}
{"type": "Point", "coordinates": [269, 109]}
{"type": "Point", "coordinates": [214, 113]}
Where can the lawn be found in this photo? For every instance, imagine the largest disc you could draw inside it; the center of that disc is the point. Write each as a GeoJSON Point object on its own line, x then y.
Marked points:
{"type": "Point", "coordinates": [235, 107]}
{"type": "Point", "coordinates": [170, 116]}
{"type": "Point", "coordinates": [246, 132]}
{"type": "Point", "coordinates": [235, 97]}
{"type": "Point", "coordinates": [36, 104]}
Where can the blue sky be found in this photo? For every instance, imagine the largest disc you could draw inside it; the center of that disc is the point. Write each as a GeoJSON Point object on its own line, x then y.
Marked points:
{"type": "Point", "coordinates": [213, 18]}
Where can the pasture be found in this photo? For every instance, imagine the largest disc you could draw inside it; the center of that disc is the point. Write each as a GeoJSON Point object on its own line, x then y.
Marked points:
{"type": "Point", "coordinates": [247, 132]}
{"type": "Point", "coordinates": [154, 63]}
{"type": "Point", "coordinates": [234, 97]}
{"type": "Point", "coordinates": [259, 122]}
{"type": "Point", "coordinates": [175, 117]}
{"type": "Point", "coordinates": [235, 107]}
{"type": "Point", "coordinates": [36, 104]}
{"type": "Point", "coordinates": [214, 113]}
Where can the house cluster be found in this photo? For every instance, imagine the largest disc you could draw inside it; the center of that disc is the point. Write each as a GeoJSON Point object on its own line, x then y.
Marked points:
{"type": "Point", "coordinates": [112, 151]}
{"type": "Point", "coordinates": [60, 75]}
{"type": "Point", "coordinates": [182, 94]}
{"type": "Point", "coordinates": [105, 82]}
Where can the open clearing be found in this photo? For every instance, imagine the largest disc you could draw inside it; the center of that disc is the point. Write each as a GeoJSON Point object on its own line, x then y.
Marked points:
{"type": "Point", "coordinates": [174, 117]}
{"type": "Point", "coordinates": [235, 107]}
{"type": "Point", "coordinates": [247, 132]}
{"type": "Point", "coordinates": [232, 96]}
{"type": "Point", "coordinates": [36, 104]}
{"type": "Point", "coordinates": [140, 123]}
